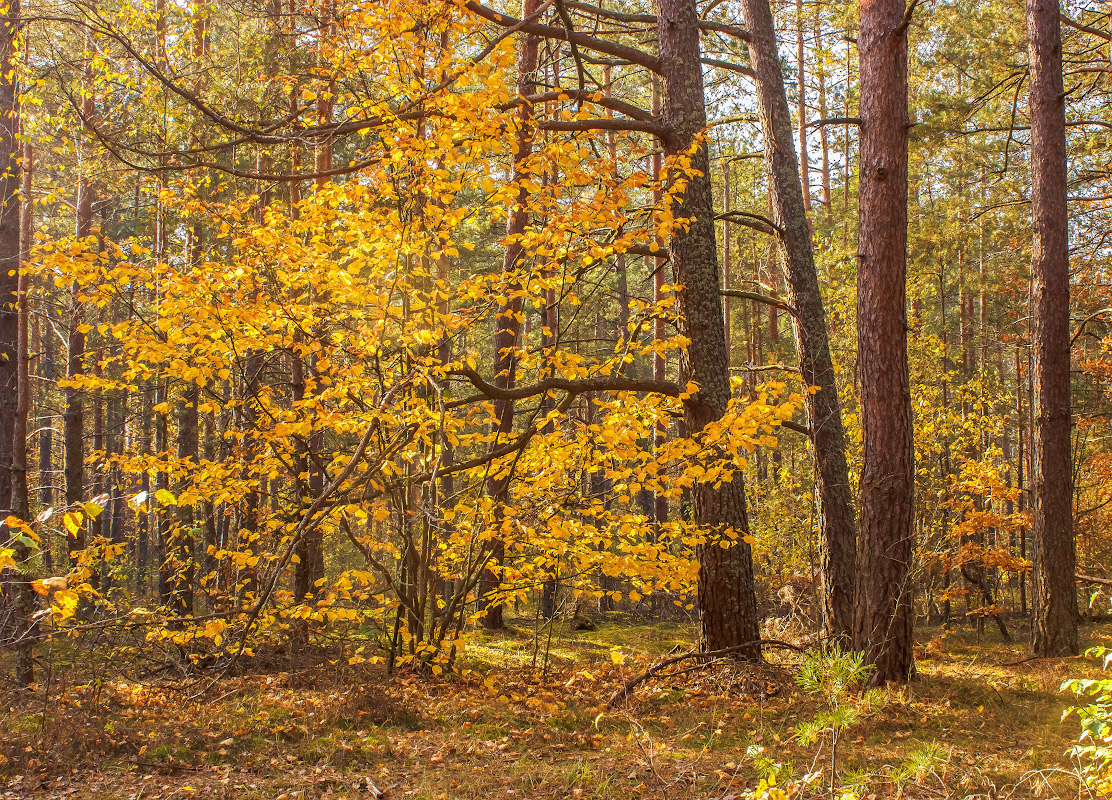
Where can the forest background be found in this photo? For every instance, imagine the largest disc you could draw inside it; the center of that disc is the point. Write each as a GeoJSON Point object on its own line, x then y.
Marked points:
{"type": "Point", "coordinates": [346, 336]}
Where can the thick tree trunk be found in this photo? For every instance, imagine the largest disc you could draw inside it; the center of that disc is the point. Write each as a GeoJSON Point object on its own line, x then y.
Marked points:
{"type": "Point", "coordinates": [837, 530]}
{"type": "Point", "coordinates": [1053, 594]}
{"type": "Point", "coordinates": [727, 598]}
{"type": "Point", "coordinates": [21, 494]}
{"type": "Point", "coordinates": [310, 565]}
{"type": "Point", "coordinates": [883, 603]}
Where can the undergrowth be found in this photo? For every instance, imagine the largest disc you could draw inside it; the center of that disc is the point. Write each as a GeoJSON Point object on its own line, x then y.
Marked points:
{"type": "Point", "coordinates": [981, 722]}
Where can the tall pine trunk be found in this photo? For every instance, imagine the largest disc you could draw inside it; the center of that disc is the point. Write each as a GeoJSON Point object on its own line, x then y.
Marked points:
{"type": "Point", "coordinates": [1053, 594]}
{"type": "Point", "coordinates": [883, 608]}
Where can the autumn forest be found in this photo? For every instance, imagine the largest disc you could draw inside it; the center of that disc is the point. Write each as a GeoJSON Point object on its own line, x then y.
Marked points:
{"type": "Point", "coordinates": [453, 398]}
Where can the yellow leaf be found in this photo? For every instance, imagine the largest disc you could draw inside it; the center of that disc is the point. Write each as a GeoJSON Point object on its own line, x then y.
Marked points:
{"type": "Point", "coordinates": [65, 602]}
{"type": "Point", "coordinates": [165, 497]}
{"type": "Point", "coordinates": [72, 522]}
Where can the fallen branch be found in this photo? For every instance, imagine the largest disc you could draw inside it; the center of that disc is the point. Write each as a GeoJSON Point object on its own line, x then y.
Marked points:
{"type": "Point", "coordinates": [1091, 579]}
{"type": "Point", "coordinates": [637, 680]}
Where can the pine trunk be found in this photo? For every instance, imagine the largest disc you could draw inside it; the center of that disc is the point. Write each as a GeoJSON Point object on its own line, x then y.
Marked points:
{"type": "Point", "coordinates": [883, 608]}
{"type": "Point", "coordinates": [1053, 593]}
{"type": "Point", "coordinates": [727, 598]}
{"type": "Point", "coordinates": [837, 530]}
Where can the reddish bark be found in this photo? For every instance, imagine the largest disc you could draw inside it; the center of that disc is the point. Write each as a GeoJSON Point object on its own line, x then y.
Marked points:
{"type": "Point", "coordinates": [1053, 594]}
{"type": "Point", "coordinates": [883, 608]}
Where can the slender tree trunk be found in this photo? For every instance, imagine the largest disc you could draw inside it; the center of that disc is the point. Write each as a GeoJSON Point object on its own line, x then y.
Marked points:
{"type": "Point", "coordinates": [21, 495]}
{"type": "Point", "coordinates": [660, 366]}
{"type": "Point", "coordinates": [823, 135]}
{"type": "Point", "coordinates": [837, 532]}
{"type": "Point", "coordinates": [74, 414]}
{"type": "Point", "coordinates": [508, 331]}
{"type": "Point", "coordinates": [727, 599]}
{"type": "Point", "coordinates": [17, 204]}
{"type": "Point", "coordinates": [142, 526]}
{"type": "Point", "coordinates": [161, 481]}
{"type": "Point", "coordinates": [10, 271]}
{"type": "Point", "coordinates": [47, 373]}
{"type": "Point", "coordinates": [883, 602]}
{"type": "Point", "coordinates": [1053, 594]}
{"type": "Point", "coordinates": [1022, 483]}
{"type": "Point", "coordinates": [804, 166]}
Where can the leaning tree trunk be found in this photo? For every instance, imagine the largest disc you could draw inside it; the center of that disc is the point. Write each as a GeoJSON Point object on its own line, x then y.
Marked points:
{"type": "Point", "coordinates": [883, 618]}
{"type": "Point", "coordinates": [837, 530]}
{"type": "Point", "coordinates": [727, 599]}
{"type": "Point", "coordinates": [1054, 596]}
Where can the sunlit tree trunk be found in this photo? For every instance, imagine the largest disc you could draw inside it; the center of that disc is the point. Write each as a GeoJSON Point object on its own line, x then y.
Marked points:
{"type": "Point", "coordinates": [883, 602]}
{"type": "Point", "coordinates": [1053, 592]}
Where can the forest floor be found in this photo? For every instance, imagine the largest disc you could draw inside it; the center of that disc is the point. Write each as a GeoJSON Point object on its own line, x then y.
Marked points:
{"type": "Point", "coordinates": [981, 721]}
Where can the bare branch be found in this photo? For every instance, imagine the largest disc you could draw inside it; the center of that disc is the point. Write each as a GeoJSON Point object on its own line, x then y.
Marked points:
{"type": "Point", "coordinates": [630, 54]}
{"type": "Point", "coordinates": [582, 386]}
{"type": "Point", "coordinates": [750, 220]}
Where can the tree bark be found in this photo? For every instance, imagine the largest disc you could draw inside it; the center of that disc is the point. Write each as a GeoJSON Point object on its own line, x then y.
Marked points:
{"type": "Point", "coordinates": [73, 426]}
{"type": "Point", "coordinates": [727, 598]}
{"type": "Point", "coordinates": [20, 498]}
{"type": "Point", "coordinates": [804, 167]}
{"type": "Point", "coordinates": [660, 366]}
{"type": "Point", "coordinates": [1053, 594]}
{"type": "Point", "coordinates": [9, 253]}
{"type": "Point", "coordinates": [883, 607]}
{"type": "Point", "coordinates": [837, 530]}
{"type": "Point", "coordinates": [509, 328]}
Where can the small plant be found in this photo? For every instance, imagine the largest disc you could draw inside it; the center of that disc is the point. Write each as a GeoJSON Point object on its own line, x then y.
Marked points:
{"type": "Point", "coordinates": [927, 760]}
{"type": "Point", "coordinates": [1093, 750]}
{"type": "Point", "coordinates": [832, 675]}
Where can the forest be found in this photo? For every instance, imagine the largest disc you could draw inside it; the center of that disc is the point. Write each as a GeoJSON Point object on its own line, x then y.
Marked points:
{"type": "Point", "coordinates": [463, 398]}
